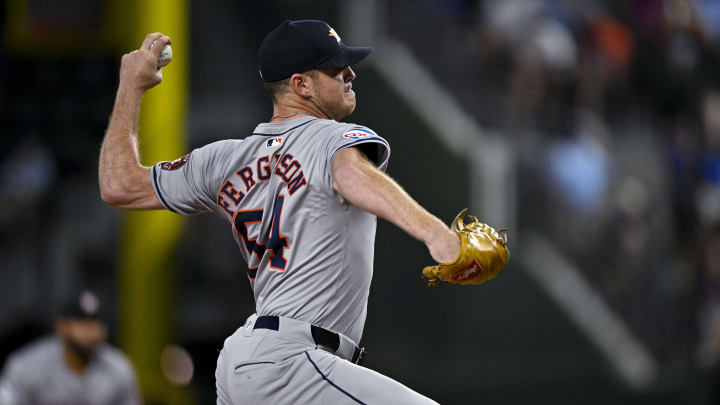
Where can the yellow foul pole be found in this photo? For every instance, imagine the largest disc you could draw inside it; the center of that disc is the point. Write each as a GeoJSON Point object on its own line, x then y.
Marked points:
{"type": "Point", "coordinates": [149, 239]}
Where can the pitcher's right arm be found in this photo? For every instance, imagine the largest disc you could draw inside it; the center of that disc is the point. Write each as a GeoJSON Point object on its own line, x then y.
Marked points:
{"type": "Point", "coordinates": [124, 181]}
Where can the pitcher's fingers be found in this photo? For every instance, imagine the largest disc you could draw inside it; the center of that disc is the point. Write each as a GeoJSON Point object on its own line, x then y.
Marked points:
{"type": "Point", "coordinates": [159, 44]}
{"type": "Point", "coordinates": [149, 38]}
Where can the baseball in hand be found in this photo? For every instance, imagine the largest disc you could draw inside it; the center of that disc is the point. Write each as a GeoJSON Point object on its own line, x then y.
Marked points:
{"type": "Point", "coordinates": [165, 56]}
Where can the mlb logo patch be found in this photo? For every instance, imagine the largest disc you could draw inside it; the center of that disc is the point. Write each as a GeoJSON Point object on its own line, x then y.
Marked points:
{"type": "Point", "coordinates": [357, 133]}
{"type": "Point", "coordinates": [274, 142]}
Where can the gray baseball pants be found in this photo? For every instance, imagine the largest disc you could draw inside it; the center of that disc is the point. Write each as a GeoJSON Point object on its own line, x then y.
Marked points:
{"type": "Point", "coordinates": [264, 366]}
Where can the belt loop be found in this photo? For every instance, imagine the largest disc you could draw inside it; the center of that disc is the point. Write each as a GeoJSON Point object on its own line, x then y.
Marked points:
{"type": "Point", "coordinates": [249, 325]}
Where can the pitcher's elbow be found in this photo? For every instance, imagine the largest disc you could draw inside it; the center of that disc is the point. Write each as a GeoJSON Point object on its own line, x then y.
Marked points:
{"type": "Point", "coordinates": [110, 196]}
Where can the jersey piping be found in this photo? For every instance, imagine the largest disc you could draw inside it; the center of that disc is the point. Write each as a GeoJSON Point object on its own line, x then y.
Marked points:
{"type": "Point", "coordinates": [159, 193]}
{"type": "Point", "coordinates": [330, 381]}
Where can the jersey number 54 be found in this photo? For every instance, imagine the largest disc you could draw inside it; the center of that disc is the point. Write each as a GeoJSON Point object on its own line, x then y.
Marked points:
{"type": "Point", "coordinates": [275, 244]}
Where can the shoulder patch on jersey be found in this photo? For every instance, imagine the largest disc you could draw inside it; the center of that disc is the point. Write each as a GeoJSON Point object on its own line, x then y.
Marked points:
{"type": "Point", "coordinates": [357, 133]}
{"type": "Point", "coordinates": [274, 142]}
{"type": "Point", "coordinates": [175, 164]}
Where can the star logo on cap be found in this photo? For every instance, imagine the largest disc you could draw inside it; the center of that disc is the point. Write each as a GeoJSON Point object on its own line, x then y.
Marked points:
{"type": "Point", "coordinates": [334, 34]}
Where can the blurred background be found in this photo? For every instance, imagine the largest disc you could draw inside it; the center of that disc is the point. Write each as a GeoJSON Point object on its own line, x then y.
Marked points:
{"type": "Point", "coordinates": [589, 128]}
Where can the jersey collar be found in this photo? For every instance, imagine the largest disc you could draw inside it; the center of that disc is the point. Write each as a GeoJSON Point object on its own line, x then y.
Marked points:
{"type": "Point", "coordinates": [279, 128]}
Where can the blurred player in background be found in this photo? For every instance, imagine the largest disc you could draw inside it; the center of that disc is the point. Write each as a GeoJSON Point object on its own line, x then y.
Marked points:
{"type": "Point", "coordinates": [74, 366]}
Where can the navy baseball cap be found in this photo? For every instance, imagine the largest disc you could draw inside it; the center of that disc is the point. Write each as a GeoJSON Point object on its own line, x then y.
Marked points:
{"type": "Point", "coordinates": [82, 305]}
{"type": "Point", "coordinates": [298, 46]}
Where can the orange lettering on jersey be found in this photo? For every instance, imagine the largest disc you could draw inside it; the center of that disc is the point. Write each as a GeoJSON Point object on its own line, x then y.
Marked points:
{"type": "Point", "coordinates": [296, 183]}
{"type": "Point", "coordinates": [263, 168]}
{"type": "Point", "coordinates": [222, 203]}
{"type": "Point", "coordinates": [229, 190]}
{"type": "Point", "coordinates": [287, 169]}
{"type": "Point", "coordinates": [290, 171]}
{"type": "Point", "coordinates": [246, 174]}
{"type": "Point", "coordinates": [283, 166]}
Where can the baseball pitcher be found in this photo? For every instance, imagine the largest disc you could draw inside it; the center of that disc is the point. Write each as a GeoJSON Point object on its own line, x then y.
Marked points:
{"type": "Point", "coordinates": [301, 194]}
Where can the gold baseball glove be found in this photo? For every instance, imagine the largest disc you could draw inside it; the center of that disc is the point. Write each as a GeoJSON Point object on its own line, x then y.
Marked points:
{"type": "Point", "coordinates": [483, 254]}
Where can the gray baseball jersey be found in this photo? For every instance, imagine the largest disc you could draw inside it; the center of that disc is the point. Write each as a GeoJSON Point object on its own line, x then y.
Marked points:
{"type": "Point", "coordinates": [39, 375]}
{"type": "Point", "coordinates": [309, 252]}
{"type": "Point", "coordinates": [309, 255]}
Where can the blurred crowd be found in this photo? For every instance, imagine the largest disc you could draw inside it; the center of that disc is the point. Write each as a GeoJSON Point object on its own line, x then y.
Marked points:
{"type": "Point", "coordinates": [614, 110]}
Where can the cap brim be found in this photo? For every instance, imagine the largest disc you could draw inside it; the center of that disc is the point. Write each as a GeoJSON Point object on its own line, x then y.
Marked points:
{"type": "Point", "coordinates": [348, 56]}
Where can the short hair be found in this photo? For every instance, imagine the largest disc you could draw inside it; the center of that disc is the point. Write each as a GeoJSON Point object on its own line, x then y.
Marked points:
{"type": "Point", "coordinates": [277, 88]}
